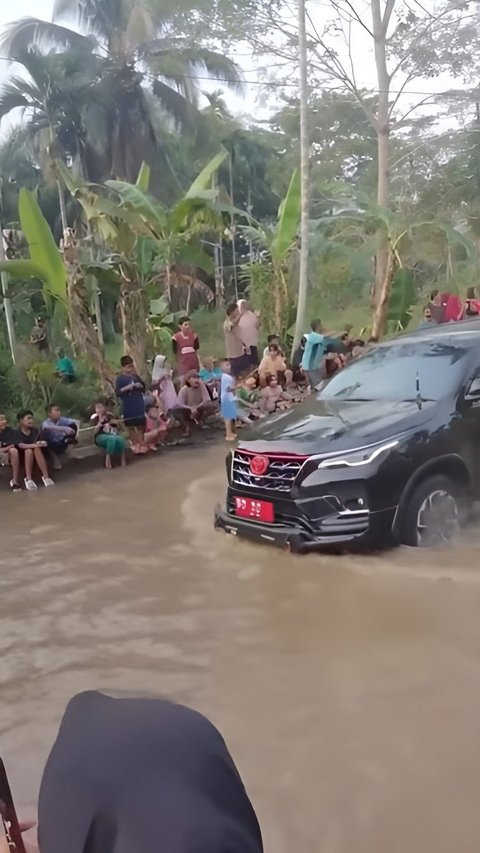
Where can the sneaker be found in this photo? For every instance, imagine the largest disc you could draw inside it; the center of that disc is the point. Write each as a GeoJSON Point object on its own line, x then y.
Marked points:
{"type": "Point", "coordinates": [47, 481]}
{"type": "Point", "coordinates": [30, 485]}
{"type": "Point", "coordinates": [15, 486]}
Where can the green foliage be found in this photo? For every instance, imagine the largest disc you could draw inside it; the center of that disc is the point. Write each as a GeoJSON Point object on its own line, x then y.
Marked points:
{"type": "Point", "coordinates": [403, 298]}
{"type": "Point", "coordinates": [288, 218]}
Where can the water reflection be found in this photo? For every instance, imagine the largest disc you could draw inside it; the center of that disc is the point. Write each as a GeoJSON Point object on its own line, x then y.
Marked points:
{"type": "Point", "coordinates": [347, 687]}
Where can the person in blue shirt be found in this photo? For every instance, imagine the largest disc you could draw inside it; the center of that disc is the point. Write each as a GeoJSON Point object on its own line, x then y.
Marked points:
{"type": "Point", "coordinates": [316, 345]}
{"type": "Point", "coordinates": [64, 367]}
{"type": "Point", "coordinates": [130, 389]}
{"type": "Point", "coordinates": [59, 433]}
{"type": "Point", "coordinates": [211, 374]}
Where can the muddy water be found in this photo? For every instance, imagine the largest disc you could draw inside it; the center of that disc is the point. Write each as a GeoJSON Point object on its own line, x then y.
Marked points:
{"type": "Point", "coordinates": [347, 688]}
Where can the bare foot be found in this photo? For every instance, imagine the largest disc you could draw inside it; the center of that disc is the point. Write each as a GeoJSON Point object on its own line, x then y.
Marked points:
{"type": "Point", "coordinates": [123, 460]}
{"type": "Point", "coordinates": [231, 437]}
{"type": "Point", "coordinates": [108, 463]}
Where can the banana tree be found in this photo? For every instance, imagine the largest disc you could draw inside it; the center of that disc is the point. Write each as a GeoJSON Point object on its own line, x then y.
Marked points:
{"type": "Point", "coordinates": [63, 281]}
{"type": "Point", "coordinates": [147, 238]}
{"type": "Point", "coordinates": [269, 273]}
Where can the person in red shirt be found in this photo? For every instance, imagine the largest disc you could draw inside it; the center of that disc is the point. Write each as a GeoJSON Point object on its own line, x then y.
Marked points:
{"type": "Point", "coordinates": [185, 345]}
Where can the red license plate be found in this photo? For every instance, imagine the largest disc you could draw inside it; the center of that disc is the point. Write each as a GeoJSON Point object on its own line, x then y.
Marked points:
{"type": "Point", "coordinates": [257, 510]}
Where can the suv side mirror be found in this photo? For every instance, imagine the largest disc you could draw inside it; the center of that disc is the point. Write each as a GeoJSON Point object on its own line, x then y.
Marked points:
{"type": "Point", "coordinates": [473, 390]}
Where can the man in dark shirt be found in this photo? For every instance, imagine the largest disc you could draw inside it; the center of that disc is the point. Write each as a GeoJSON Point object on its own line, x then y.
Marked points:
{"type": "Point", "coordinates": [130, 389]}
{"type": "Point", "coordinates": [31, 448]}
{"type": "Point", "coordinates": [9, 452]}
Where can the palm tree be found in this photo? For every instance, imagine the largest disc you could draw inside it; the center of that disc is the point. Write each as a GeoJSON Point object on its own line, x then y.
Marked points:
{"type": "Point", "coordinates": [53, 96]}
{"type": "Point", "coordinates": [137, 55]}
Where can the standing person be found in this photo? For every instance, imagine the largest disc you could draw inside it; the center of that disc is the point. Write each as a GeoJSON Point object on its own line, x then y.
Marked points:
{"type": "Point", "coordinates": [194, 397]}
{"type": "Point", "coordinates": [59, 433]}
{"type": "Point", "coordinates": [9, 452]}
{"type": "Point", "coordinates": [64, 367]}
{"type": "Point", "coordinates": [314, 353]}
{"type": "Point", "coordinates": [437, 308]}
{"type": "Point", "coordinates": [248, 326]}
{"type": "Point", "coordinates": [130, 389]}
{"type": "Point", "coordinates": [228, 403]}
{"type": "Point", "coordinates": [38, 336]}
{"type": "Point", "coordinates": [107, 435]}
{"type": "Point", "coordinates": [185, 345]}
{"type": "Point", "coordinates": [31, 449]}
{"type": "Point", "coordinates": [234, 345]}
{"type": "Point", "coordinates": [427, 318]}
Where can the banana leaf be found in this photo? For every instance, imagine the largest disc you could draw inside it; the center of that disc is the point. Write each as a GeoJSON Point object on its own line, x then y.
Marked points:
{"type": "Point", "coordinates": [23, 269]}
{"type": "Point", "coordinates": [289, 215]}
{"type": "Point", "coordinates": [402, 299]}
{"type": "Point", "coordinates": [143, 180]}
{"type": "Point", "coordinates": [204, 179]}
{"type": "Point", "coordinates": [147, 207]}
{"type": "Point", "coordinates": [42, 246]}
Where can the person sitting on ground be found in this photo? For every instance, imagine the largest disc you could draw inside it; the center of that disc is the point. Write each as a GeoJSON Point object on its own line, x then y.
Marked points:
{"type": "Point", "coordinates": [130, 389]}
{"type": "Point", "coordinates": [273, 339]}
{"type": "Point", "coordinates": [59, 433]}
{"type": "Point", "coordinates": [107, 435]}
{"type": "Point", "coordinates": [210, 373]}
{"type": "Point", "coordinates": [273, 397]}
{"type": "Point", "coordinates": [274, 364]}
{"type": "Point", "coordinates": [132, 775]}
{"type": "Point", "coordinates": [194, 397]}
{"type": "Point", "coordinates": [358, 348]}
{"type": "Point", "coordinates": [228, 401]}
{"type": "Point", "coordinates": [32, 447]}
{"type": "Point", "coordinates": [472, 304]}
{"type": "Point", "coordinates": [9, 452]}
{"type": "Point", "coordinates": [156, 426]}
{"type": "Point", "coordinates": [185, 345]}
{"type": "Point", "coordinates": [64, 367]}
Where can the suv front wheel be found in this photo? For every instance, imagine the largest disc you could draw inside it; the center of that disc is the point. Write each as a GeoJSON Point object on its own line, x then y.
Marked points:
{"type": "Point", "coordinates": [434, 513]}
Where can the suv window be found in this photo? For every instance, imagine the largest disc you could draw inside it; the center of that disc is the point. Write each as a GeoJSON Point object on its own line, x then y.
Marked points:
{"type": "Point", "coordinates": [398, 371]}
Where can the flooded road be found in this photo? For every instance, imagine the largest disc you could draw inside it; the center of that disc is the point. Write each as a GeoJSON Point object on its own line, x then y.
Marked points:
{"type": "Point", "coordinates": [347, 688]}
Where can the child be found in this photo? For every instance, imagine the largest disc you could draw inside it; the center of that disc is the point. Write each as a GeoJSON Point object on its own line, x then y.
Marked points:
{"type": "Point", "coordinates": [156, 431]}
{"type": "Point", "coordinates": [185, 345]}
{"type": "Point", "coordinates": [9, 453]}
{"type": "Point", "coordinates": [228, 403]}
{"type": "Point", "coordinates": [274, 397]}
{"type": "Point", "coordinates": [31, 448]}
{"type": "Point", "coordinates": [107, 436]}
{"type": "Point", "coordinates": [130, 389]}
{"type": "Point", "coordinates": [211, 374]}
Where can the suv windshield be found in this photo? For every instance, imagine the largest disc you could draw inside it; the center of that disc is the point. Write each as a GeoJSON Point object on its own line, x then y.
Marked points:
{"type": "Point", "coordinates": [390, 371]}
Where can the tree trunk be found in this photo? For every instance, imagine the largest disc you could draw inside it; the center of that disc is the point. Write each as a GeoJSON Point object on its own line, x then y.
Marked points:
{"type": "Point", "coordinates": [85, 338]}
{"type": "Point", "coordinates": [379, 320]}
{"type": "Point", "coordinates": [134, 323]}
{"type": "Point", "coordinates": [63, 208]}
{"type": "Point", "coordinates": [300, 323]}
{"type": "Point", "coordinates": [380, 26]}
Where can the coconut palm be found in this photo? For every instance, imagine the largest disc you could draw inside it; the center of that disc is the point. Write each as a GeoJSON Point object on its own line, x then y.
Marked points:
{"type": "Point", "coordinates": [138, 56]}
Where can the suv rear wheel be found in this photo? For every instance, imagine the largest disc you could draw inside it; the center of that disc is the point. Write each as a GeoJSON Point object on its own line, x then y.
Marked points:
{"type": "Point", "coordinates": [434, 513]}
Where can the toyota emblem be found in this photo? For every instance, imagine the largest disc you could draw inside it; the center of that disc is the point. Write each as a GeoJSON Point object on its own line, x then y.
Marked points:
{"type": "Point", "coordinates": [258, 465]}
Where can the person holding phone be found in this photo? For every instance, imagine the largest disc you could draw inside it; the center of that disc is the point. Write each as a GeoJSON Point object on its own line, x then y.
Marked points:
{"type": "Point", "coordinates": [31, 447]}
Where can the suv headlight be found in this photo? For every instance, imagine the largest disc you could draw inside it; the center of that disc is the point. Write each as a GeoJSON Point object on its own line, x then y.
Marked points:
{"type": "Point", "coordinates": [356, 458]}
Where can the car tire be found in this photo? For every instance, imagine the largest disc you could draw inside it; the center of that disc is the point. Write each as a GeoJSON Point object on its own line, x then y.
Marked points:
{"type": "Point", "coordinates": [434, 513]}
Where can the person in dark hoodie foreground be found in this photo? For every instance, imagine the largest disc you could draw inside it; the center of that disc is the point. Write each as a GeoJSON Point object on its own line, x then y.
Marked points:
{"type": "Point", "coordinates": [142, 776]}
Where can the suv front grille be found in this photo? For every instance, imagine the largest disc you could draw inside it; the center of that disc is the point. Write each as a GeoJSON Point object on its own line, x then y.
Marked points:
{"type": "Point", "coordinates": [278, 477]}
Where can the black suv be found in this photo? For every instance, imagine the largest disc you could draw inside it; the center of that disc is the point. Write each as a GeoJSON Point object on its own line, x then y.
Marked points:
{"type": "Point", "coordinates": [385, 452]}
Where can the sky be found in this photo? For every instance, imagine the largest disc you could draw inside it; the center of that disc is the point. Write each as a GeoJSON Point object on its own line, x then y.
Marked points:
{"type": "Point", "coordinates": [254, 100]}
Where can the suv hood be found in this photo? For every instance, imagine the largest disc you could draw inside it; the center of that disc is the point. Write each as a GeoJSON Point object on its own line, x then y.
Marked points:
{"type": "Point", "coordinates": [325, 426]}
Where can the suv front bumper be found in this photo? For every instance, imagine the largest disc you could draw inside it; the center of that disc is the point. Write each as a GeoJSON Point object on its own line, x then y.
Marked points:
{"type": "Point", "coordinates": [345, 534]}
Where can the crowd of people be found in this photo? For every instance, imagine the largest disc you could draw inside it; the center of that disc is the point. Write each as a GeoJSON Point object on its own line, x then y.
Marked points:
{"type": "Point", "coordinates": [449, 308]}
{"type": "Point", "coordinates": [191, 392]}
